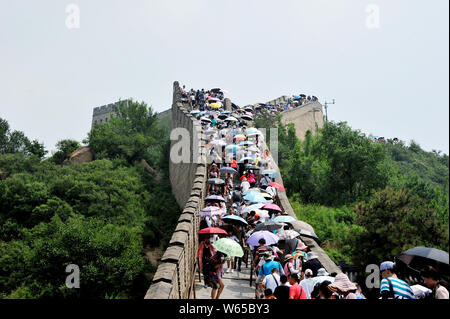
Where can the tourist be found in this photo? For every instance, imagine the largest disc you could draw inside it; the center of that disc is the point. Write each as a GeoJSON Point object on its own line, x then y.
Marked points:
{"type": "Point", "coordinates": [272, 281]}
{"type": "Point", "coordinates": [431, 279]}
{"type": "Point", "coordinates": [343, 287]}
{"type": "Point", "coordinates": [282, 291]}
{"type": "Point", "coordinates": [296, 291]}
{"type": "Point", "coordinates": [391, 286]}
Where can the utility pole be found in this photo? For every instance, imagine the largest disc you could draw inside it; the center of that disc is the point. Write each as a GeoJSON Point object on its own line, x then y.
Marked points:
{"type": "Point", "coordinates": [326, 108]}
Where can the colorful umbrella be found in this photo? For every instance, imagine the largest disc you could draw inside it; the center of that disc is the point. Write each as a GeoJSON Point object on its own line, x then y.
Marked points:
{"type": "Point", "coordinates": [277, 186]}
{"type": "Point", "coordinates": [269, 237]}
{"type": "Point", "coordinates": [228, 247]}
{"type": "Point", "coordinates": [215, 105]}
{"type": "Point", "coordinates": [234, 218]}
{"type": "Point", "coordinates": [273, 207]}
{"type": "Point", "coordinates": [284, 219]}
{"type": "Point", "coordinates": [212, 230]}
{"type": "Point", "coordinates": [271, 173]}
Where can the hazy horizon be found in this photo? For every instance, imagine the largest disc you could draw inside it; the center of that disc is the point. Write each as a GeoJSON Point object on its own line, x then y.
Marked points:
{"type": "Point", "coordinates": [390, 81]}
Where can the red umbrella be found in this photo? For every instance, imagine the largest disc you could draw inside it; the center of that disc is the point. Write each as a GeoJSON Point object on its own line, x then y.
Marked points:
{"type": "Point", "coordinates": [212, 230]}
{"type": "Point", "coordinates": [272, 207]}
{"type": "Point", "coordinates": [277, 186]}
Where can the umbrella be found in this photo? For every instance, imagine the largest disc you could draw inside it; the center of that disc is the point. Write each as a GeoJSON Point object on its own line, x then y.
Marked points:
{"type": "Point", "coordinates": [269, 226]}
{"type": "Point", "coordinates": [250, 166]}
{"type": "Point", "coordinates": [283, 219]}
{"type": "Point", "coordinates": [268, 196]}
{"type": "Point", "coordinates": [288, 234]}
{"type": "Point", "coordinates": [247, 117]}
{"type": "Point", "coordinates": [301, 225]}
{"type": "Point", "coordinates": [225, 112]}
{"type": "Point", "coordinates": [215, 198]}
{"type": "Point", "coordinates": [215, 105]}
{"type": "Point", "coordinates": [194, 112]}
{"type": "Point", "coordinates": [268, 236]}
{"type": "Point", "coordinates": [228, 170]}
{"type": "Point", "coordinates": [234, 218]}
{"type": "Point", "coordinates": [297, 98]}
{"type": "Point", "coordinates": [222, 116]}
{"type": "Point", "coordinates": [248, 109]}
{"type": "Point", "coordinates": [277, 186]}
{"type": "Point", "coordinates": [205, 119]}
{"type": "Point", "coordinates": [424, 252]}
{"type": "Point", "coordinates": [254, 197]}
{"type": "Point", "coordinates": [252, 207]}
{"type": "Point", "coordinates": [251, 130]}
{"type": "Point", "coordinates": [210, 211]}
{"type": "Point", "coordinates": [306, 233]}
{"type": "Point", "coordinates": [218, 142]}
{"type": "Point", "coordinates": [271, 173]}
{"type": "Point", "coordinates": [215, 181]}
{"type": "Point", "coordinates": [212, 230]}
{"type": "Point", "coordinates": [228, 247]}
{"type": "Point", "coordinates": [246, 159]}
{"type": "Point", "coordinates": [240, 137]}
{"type": "Point", "coordinates": [273, 207]}
{"type": "Point", "coordinates": [231, 119]}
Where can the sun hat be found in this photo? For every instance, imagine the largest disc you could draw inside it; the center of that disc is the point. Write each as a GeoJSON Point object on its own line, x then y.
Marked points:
{"type": "Point", "coordinates": [387, 265]}
{"type": "Point", "coordinates": [308, 272]}
{"type": "Point", "coordinates": [268, 256]}
{"type": "Point", "coordinates": [287, 257]}
{"type": "Point", "coordinates": [342, 283]}
{"type": "Point", "coordinates": [301, 245]}
{"type": "Point", "coordinates": [322, 272]}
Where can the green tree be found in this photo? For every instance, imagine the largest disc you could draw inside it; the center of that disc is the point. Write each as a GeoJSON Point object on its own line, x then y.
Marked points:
{"type": "Point", "coordinates": [393, 221]}
{"type": "Point", "coordinates": [64, 149]}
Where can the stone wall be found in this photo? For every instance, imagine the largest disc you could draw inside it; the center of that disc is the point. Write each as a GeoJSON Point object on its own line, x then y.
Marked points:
{"type": "Point", "coordinates": [305, 117]}
{"type": "Point", "coordinates": [175, 275]}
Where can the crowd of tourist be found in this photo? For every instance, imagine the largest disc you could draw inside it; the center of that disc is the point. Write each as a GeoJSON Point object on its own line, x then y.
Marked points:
{"type": "Point", "coordinates": [243, 220]}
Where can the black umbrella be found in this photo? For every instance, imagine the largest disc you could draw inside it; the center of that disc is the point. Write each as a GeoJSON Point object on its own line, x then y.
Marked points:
{"type": "Point", "coordinates": [247, 117]}
{"type": "Point", "coordinates": [250, 166]}
{"type": "Point", "coordinates": [306, 233]}
{"type": "Point", "coordinates": [424, 252]}
{"type": "Point", "coordinates": [269, 226]}
{"type": "Point", "coordinates": [215, 181]}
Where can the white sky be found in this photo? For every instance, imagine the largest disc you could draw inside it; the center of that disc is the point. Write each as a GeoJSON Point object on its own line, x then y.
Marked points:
{"type": "Point", "coordinates": [391, 81]}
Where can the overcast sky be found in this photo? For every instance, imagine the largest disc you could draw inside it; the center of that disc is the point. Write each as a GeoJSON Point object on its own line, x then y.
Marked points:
{"type": "Point", "coordinates": [389, 79]}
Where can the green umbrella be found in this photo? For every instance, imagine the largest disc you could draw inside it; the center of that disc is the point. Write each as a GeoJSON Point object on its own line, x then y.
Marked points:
{"type": "Point", "coordinates": [228, 247]}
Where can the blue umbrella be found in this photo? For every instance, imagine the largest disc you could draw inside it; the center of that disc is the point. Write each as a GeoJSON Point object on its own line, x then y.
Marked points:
{"type": "Point", "coordinates": [297, 98]}
{"type": "Point", "coordinates": [245, 143]}
{"type": "Point", "coordinates": [271, 173]}
{"type": "Point", "coordinates": [194, 112]}
{"type": "Point", "coordinates": [234, 218]}
{"type": "Point", "coordinates": [225, 112]}
{"type": "Point", "coordinates": [283, 219]}
{"type": "Point", "coordinates": [254, 197]}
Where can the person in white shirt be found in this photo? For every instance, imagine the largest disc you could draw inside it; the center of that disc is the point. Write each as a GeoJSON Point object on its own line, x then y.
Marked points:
{"type": "Point", "coordinates": [271, 281]}
{"type": "Point", "coordinates": [245, 186]}
{"type": "Point", "coordinates": [308, 284]}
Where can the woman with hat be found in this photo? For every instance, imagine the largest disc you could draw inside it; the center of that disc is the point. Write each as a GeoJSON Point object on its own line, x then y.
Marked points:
{"type": "Point", "coordinates": [289, 267]}
{"type": "Point", "coordinates": [343, 287]}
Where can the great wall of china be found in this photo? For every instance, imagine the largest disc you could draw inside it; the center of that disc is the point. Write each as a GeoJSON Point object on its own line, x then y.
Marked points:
{"type": "Point", "coordinates": [174, 278]}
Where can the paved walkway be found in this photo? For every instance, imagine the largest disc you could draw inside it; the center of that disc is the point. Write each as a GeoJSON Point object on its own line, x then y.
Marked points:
{"type": "Point", "coordinates": [237, 286]}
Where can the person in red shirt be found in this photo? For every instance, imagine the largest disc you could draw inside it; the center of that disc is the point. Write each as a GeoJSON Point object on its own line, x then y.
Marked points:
{"type": "Point", "coordinates": [296, 291]}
